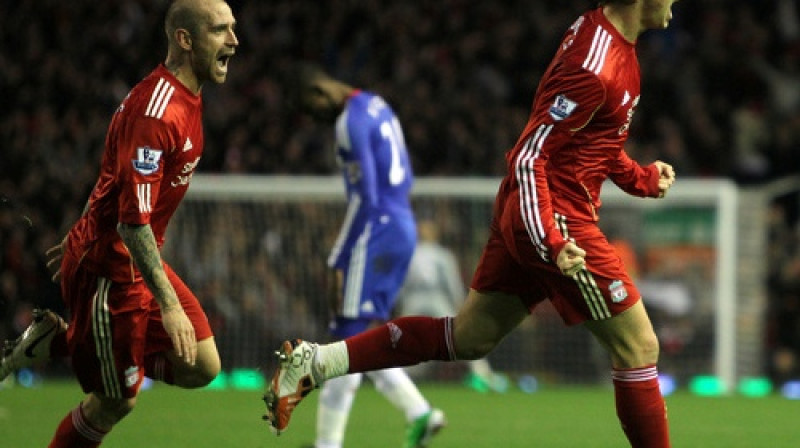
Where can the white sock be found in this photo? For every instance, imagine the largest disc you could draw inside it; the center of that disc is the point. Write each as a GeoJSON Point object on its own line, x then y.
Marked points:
{"type": "Point", "coordinates": [481, 368]}
{"type": "Point", "coordinates": [331, 361]}
{"type": "Point", "coordinates": [397, 387]}
{"type": "Point", "coordinates": [333, 410]}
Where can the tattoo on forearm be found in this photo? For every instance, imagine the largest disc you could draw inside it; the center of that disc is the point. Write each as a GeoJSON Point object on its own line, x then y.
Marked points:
{"type": "Point", "coordinates": [142, 246]}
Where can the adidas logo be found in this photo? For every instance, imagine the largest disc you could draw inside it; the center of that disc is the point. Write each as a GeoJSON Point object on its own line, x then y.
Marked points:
{"type": "Point", "coordinates": [188, 145]}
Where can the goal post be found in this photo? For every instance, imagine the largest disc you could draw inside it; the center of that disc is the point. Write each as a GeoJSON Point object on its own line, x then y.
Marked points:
{"type": "Point", "coordinates": [253, 248]}
{"type": "Point", "coordinates": [721, 196]}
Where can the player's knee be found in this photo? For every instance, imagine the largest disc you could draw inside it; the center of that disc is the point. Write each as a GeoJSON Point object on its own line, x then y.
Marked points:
{"type": "Point", "coordinates": [649, 349]}
{"type": "Point", "coordinates": [204, 372]}
{"type": "Point", "coordinates": [200, 376]}
{"type": "Point", "coordinates": [474, 351]}
{"type": "Point", "coordinates": [641, 351]}
{"type": "Point", "coordinates": [123, 407]}
{"type": "Point", "coordinates": [208, 373]}
{"type": "Point", "coordinates": [105, 412]}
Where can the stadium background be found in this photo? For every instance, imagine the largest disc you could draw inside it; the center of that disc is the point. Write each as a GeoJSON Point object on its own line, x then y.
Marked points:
{"type": "Point", "coordinates": [721, 90]}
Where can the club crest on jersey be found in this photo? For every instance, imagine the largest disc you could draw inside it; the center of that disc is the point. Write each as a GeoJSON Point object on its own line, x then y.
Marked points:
{"type": "Point", "coordinates": [618, 291]}
{"type": "Point", "coordinates": [562, 108]}
{"type": "Point", "coordinates": [147, 158]}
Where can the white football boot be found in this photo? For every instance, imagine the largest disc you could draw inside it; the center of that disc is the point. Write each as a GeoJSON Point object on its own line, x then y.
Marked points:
{"type": "Point", "coordinates": [291, 382]}
{"type": "Point", "coordinates": [32, 347]}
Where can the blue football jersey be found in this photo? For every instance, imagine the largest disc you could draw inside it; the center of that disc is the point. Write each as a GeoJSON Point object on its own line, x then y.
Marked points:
{"type": "Point", "coordinates": [374, 162]}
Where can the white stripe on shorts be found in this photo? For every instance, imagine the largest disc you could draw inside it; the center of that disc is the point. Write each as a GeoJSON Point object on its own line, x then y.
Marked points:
{"type": "Point", "coordinates": [103, 338]}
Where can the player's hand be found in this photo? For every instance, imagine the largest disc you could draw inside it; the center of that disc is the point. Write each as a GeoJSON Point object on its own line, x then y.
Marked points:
{"type": "Point", "coordinates": [571, 259]}
{"type": "Point", "coordinates": [181, 332]}
{"type": "Point", "coordinates": [666, 177]}
{"type": "Point", "coordinates": [54, 256]}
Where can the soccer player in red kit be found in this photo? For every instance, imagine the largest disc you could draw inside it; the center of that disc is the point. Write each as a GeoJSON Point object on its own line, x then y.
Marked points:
{"type": "Point", "coordinates": [131, 315]}
{"type": "Point", "coordinates": [544, 242]}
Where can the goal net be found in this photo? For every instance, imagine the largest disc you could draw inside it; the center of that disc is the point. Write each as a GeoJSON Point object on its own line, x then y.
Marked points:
{"type": "Point", "coordinates": [253, 248]}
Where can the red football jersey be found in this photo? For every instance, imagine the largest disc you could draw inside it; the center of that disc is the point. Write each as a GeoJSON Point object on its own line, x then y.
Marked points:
{"type": "Point", "coordinates": [574, 137]}
{"type": "Point", "coordinates": [152, 147]}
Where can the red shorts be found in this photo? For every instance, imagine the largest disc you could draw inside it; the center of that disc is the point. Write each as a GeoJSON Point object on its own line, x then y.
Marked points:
{"type": "Point", "coordinates": [511, 264]}
{"type": "Point", "coordinates": [114, 326]}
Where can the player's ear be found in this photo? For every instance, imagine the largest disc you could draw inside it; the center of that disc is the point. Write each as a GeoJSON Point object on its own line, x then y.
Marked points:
{"type": "Point", "coordinates": [184, 39]}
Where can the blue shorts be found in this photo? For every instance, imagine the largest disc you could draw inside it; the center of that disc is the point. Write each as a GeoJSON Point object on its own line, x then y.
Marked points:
{"type": "Point", "coordinates": [374, 275]}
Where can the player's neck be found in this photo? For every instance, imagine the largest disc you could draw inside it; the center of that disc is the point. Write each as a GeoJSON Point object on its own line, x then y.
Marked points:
{"type": "Point", "coordinates": [184, 74]}
{"type": "Point", "coordinates": [626, 19]}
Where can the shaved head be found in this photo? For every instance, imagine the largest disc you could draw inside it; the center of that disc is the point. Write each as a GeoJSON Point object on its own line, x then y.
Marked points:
{"type": "Point", "coordinates": [188, 15]}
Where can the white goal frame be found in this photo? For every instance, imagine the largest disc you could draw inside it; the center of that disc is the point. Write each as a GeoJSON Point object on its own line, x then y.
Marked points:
{"type": "Point", "coordinates": [719, 193]}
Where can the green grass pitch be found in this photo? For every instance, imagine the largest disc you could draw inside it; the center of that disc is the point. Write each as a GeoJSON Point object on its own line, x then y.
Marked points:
{"type": "Point", "coordinates": [553, 417]}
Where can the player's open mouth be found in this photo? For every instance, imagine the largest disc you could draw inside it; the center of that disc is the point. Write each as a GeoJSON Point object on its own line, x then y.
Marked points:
{"type": "Point", "coordinates": [222, 61]}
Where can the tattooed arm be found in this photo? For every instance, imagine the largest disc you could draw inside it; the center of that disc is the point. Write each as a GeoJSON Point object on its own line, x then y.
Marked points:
{"type": "Point", "coordinates": [141, 244]}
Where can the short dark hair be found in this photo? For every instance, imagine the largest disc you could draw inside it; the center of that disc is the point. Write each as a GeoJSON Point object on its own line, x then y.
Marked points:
{"type": "Point", "coordinates": [298, 80]}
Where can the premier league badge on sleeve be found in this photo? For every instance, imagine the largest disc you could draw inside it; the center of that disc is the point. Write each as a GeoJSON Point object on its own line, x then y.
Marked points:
{"type": "Point", "coordinates": [562, 108]}
{"type": "Point", "coordinates": [147, 159]}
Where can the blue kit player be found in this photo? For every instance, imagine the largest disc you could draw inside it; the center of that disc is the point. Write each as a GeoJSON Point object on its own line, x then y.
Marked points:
{"type": "Point", "coordinates": [371, 255]}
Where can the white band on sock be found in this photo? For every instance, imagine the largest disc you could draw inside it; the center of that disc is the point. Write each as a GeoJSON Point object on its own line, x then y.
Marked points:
{"type": "Point", "coordinates": [634, 375]}
{"type": "Point", "coordinates": [332, 361]}
{"type": "Point", "coordinates": [84, 428]}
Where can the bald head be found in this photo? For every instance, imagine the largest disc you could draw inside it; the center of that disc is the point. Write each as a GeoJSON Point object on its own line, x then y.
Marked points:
{"type": "Point", "coordinates": [188, 15]}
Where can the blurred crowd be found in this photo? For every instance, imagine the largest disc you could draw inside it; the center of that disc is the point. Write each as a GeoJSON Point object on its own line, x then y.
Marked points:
{"type": "Point", "coordinates": [721, 95]}
{"type": "Point", "coordinates": [783, 283]}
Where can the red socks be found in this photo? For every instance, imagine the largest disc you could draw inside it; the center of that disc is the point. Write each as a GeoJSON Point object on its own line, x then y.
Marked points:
{"type": "Point", "coordinates": [401, 342]}
{"type": "Point", "coordinates": [640, 407]}
{"type": "Point", "coordinates": [411, 340]}
{"type": "Point", "coordinates": [75, 432]}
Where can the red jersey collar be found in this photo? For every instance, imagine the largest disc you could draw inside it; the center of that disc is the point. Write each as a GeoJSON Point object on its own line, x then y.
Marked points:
{"type": "Point", "coordinates": [161, 70]}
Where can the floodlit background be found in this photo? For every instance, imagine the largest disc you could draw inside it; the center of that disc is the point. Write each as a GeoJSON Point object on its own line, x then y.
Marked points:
{"type": "Point", "coordinates": [720, 97]}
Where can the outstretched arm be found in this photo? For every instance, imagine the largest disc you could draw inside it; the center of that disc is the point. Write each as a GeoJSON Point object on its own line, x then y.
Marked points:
{"type": "Point", "coordinates": [644, 181]}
